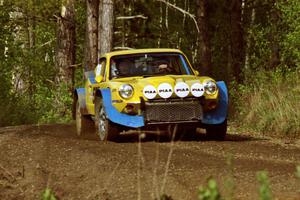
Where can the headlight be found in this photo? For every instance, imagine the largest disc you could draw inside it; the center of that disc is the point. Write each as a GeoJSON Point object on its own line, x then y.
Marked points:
{"type": "Point", "coordinates": [210, 87]}
{"type": "Point", "coordinates": [126, 91]}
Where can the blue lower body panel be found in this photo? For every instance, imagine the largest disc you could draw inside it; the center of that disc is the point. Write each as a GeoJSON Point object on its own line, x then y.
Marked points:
{"type": "Point", "coordinates": [120, 118]}
{"type": "Point", "coordinates": [218, 115]}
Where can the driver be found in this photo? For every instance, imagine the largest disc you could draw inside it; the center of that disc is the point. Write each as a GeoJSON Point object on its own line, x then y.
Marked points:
{"type": "Point", "coordinates": [165, 68]}
{"type": "Point", "coordinates": [124, 67]}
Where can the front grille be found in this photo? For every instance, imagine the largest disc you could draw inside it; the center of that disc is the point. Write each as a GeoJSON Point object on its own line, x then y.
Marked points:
{"type": "Point", "coordinates": [173, 110]}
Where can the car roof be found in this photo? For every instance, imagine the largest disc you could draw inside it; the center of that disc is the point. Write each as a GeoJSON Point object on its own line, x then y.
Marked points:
{"type": "Point", "coordinates": [137, 51]}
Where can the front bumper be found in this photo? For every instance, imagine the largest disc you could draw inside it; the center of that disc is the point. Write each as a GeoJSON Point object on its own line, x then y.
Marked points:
{"type": "Point", "coordinates": [173, 111]}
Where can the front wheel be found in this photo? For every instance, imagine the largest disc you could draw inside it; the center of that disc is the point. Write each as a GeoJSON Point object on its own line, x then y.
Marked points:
{"type": "Point", "coordinates": [217, 131]}
{"type": "Point", "coordinates": [105, 129]}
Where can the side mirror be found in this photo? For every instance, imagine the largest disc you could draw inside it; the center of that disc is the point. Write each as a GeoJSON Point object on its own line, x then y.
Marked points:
{"type": "Point", "coordinates": [98, 75]}
{"type": "Point", "coordinates": [99, 78]}
{"type": "Point", "coordinates": [197, 73]}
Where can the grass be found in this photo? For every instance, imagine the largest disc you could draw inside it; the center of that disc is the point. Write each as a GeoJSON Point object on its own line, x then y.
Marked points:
{"type": "Point", "coordinates": [269, 103]}
{"type": "Point", "coordinates": [264, 186]}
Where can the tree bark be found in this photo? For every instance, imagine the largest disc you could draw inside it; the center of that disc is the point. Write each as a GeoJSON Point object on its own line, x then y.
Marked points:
{"type": "Point", "coordinates": [204, 48]}
{"type": "Point", "coordinates": [65, 47]}
{"type": "Point", "coordinates": [106, 27]}
{"type": "Point", "coordinates": [91, 40]}
{"type": "Point", "coordinates": [236, 39]}
{"type": "Point", "coordinates": [274, 40]}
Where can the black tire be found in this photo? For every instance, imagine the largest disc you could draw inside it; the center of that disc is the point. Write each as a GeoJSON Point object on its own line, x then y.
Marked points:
{"type": "Point", "coordinates": [188, 133]}
{"type": "Point", "coordinates": [105, 129]}
{"type": "Point", "coordinates": [84, 123]}
{"type": "Point", "coordinates": [217, 131]}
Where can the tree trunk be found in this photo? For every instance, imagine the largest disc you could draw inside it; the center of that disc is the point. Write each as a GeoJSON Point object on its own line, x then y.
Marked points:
{"type": "Point", "coordinates": [65, 49]}
{"type": "Point", "coordinates": [106, 24]}
{"type": "Point", "coordinates": [204, 39]}
{"type": "Point", "coordinates": [237, 41]}
{"type": "Point", "coordinates": [91, 40]}
{"type": "Point", "coordinates": [160, 25]}
{"type": "Point", "coordinates": [274, 39]}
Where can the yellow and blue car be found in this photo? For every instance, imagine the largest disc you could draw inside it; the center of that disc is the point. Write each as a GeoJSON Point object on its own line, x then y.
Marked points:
{"type": "Point", "coordinates": [146, 88]}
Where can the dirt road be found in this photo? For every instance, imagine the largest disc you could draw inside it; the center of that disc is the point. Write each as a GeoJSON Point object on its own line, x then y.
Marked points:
{"type": "Point", "coordinates": [34, 157]}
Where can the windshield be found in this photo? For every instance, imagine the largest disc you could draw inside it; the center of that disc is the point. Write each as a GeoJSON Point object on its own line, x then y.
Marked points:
{"type": "Point", "coordinates": [150, 64]}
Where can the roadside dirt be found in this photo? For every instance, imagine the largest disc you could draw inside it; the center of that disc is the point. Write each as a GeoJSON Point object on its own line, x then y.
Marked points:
{"type": "Point", "coordinates": [35, 157]}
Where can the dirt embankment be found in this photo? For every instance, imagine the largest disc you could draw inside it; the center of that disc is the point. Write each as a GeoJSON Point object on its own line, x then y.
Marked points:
{"type": "Point", "coordinates": [34, 157]}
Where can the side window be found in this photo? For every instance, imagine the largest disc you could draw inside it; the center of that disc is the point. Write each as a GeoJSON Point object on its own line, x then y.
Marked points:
{"type": "Point", "coordinates": [100, 69]}
{"type": "Point", "coordinates": [103, 64]}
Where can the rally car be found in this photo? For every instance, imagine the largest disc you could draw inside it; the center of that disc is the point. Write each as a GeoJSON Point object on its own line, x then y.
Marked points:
{"type": "Point", "coordinates": [146, 88]}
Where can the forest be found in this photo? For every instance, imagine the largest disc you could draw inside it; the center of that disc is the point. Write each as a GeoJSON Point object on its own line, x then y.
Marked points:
{"type": "Point", "coordinates": [253, 45]}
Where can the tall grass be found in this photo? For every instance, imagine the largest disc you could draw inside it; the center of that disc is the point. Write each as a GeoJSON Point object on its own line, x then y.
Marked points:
{"type": "Point", "coordinates": [269, 102]}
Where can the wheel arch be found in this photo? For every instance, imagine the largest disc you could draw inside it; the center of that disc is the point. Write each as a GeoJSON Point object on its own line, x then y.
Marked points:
{"type": "Point", "coordinates": [218, 115]}
{"type": "Point", "coordinates": [117, 117]}
{"type": "Point", "coordinates": [98, 93]}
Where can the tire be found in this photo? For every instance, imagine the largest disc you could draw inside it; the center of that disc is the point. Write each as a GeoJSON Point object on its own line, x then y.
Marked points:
{"type": "Point", "coordinates": [83, 123]}
{"type": "Point", "coordinates": [190, 130]}
{"type": "Point", "coordinates": [105, 129]}
{"type": "Point", "coordinates": [217, 131]}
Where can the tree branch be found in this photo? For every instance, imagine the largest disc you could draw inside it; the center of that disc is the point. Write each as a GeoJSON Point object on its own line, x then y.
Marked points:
{"type": "Point", "coordinates": [122, 48]}
{"type": "Point", "coordinates": [182, 11]}
{"type": "Point", "coordinates": [131, 17]}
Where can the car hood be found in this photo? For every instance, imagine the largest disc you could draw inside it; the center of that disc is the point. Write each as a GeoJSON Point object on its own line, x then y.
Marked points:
{"type": "Point", "coordinates": [156, 80]}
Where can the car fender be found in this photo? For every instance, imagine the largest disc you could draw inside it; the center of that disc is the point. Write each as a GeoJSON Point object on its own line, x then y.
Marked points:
{"type": "Point", "coordinates": [80, 94]}
{"type": "Point", "coordinates": [218, 115]}
{"type": "Point", "coordinates": [117, 117]}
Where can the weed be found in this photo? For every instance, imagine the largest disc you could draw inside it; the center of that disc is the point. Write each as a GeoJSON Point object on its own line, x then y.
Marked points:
{"type": "Point", "coordinates": [48, 194]}
{"type": "Point", "coordinates": [169, 160]}
{"type": "Point", "coordinates": [209, 192]}
{"type": "Point", "coordinates": [298, 171]}
{"type": "Point", "coordinates": [264, 188]}
{"type": "Point", "coordinates": [229, 182]}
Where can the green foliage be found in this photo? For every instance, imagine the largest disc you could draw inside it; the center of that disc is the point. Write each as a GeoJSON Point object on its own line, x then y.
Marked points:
{"type": "Point", "coordinates": [291, 38]}
{"type": "Point", "coordinates": [264, 188]}
{"type": "Point", "coordinates": [209, 192]}
{"type": "Point", "coordinates": [29, 92]}
{"type": "Point", "coordinates": [48, 194]}
{"type": "Point", "coordinates": [274, 24]}
{"type": "Point", "coordinates": [56, 107]}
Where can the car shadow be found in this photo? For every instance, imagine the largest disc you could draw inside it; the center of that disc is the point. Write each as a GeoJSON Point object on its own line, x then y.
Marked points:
{"type": "Point", "coordinates": [164, 138]}
{"type": "Point", "coordinates": [69, 132]}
